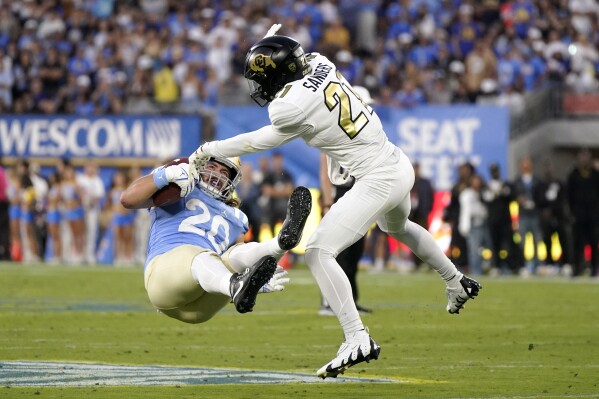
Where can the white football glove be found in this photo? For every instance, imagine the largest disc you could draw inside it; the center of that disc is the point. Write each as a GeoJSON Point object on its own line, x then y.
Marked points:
{"type": "Point", "coordinates": [197, 161]}
{"type": "Point", "coordinates": [277, 281]}
{"type": "Point", "coordinates": [273, 30]}
{"type": "Point", "coordinates": [181, 175]}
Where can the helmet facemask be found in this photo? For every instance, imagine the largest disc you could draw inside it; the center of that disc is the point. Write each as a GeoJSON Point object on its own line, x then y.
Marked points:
{"type": "Point", "coordinates": [258, 90]}
{"type": "Point", "coordinates": [217, 184]}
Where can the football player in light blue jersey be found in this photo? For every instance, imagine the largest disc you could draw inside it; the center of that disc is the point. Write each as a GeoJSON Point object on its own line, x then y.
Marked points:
{"type": "Point", "coordinates": [197, 261]}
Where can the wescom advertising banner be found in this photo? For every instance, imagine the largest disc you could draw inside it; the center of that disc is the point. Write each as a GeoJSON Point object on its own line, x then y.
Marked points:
{"type": "Point", "coordinates": [438, 138]}
{"type": "Point", "coordinates": [162, 137]}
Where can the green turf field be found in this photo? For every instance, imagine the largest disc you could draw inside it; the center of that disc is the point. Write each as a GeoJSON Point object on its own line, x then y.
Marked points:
{"type": "Point", "coordinates": [534, 338]}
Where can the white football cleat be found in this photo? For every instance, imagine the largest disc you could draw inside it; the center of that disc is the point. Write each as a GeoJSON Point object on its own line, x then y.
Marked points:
{"type": "Point", "coordinates": [457, 297]}
{"type": "Point", "coordinates": [357, 348]}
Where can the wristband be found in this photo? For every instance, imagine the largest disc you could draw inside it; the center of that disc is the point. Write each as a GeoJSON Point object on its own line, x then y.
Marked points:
{"type": "Point", "coordinates": [160, 179]}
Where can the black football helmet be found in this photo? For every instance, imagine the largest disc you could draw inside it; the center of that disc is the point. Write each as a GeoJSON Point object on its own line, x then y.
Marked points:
{"type": "Point", "coordinates": [272, 63]}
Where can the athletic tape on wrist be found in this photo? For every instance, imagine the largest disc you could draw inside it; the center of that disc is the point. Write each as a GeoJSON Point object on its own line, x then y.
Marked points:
{"type": "Point", "coordinates": [160, 179]}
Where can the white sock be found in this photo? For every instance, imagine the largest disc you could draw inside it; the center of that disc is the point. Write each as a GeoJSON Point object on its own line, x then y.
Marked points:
{"type": "Point", "coordinates": [335, 288]}
{"type": "Point", "coordinates": [246, 255]}
{"type": "Point", "coordinates": [210, 273]}
{"type": "Point", "coordinates": [421, 242]}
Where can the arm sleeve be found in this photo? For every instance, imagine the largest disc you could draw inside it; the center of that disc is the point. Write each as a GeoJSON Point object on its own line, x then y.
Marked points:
{"type": "Point", "coordinates": [262, 139]}
{"type": "Point", "coordinates": [288, 122]}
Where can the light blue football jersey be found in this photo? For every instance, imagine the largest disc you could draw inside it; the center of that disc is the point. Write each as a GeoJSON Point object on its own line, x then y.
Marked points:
{"type": "Point", "coordinates": [197, 219]}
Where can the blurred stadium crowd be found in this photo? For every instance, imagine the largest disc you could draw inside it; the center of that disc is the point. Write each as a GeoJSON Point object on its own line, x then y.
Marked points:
{"type": "Point", "coordinates": [107, 56]}
{"type": "Point", "coordinates": [74, 217]}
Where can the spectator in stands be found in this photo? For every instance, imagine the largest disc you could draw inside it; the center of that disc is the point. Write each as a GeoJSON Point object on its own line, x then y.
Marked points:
{"type": "Point", "coordinates": [24, 72]}
{"type": "Point", "coordinates": [511, 98]}
{"type": "Point", "coordinates": [335, 34]}
{"type": "Point", "coordinates": [528, 193]}
{"type": "Point", "coordinates": [583, 198]}
{"type": "Point", "coordinates": [122, 221]}
{"type": "Point", "coordinates": [583, 13]}
{"type": "Point", "coordinates": [166, 89]}
{"type": "Point", "coordinates": [295, 29]}
{"type": "Point", "coordinates": [192, 92]}
{"type": "Point", "coordinates": [219, 59]}
{"type": "Point", "coordinates": [79, 64]}
{"type": "Point", "coordinates": [410, 95]}
{"type": "Point", "coordinates": [249, 194]}
{"type": "Point", "coordinates": [52, 73]}
{"type": "Point", "coordinates": [365, 26]}
{"type": "Point", "coordinates": [423, 53]}
{"type": "Point", "coordinates": [31, 251]}
{"type": "Point", "coordinates": [277, 187]}
{"type": "Point", "coordinates": [84, 104]}
{"type": "Point", "coordinates": [53, 219]}
{"type": "Point", "coordinates": [480, 64]}
{"type": "Point", "coordinates": [522, 15]}
{"type": "Point", "coordinates": [71, 196]}
{"type": "Point", "coordinates": [451, 214]}
{"type": "Point", "coordinates": [473, 222]}
{"type": "Point", "coordinates": [141, 223]}
{"type": "Point", "coordinates": [465, 31]}
{"type": "Point", "coordinates": [41, 103]}
{"type": "Point", "coordinates": [497, 195]}
{"type": "Point", "coordinates": [346, 65]}
{"type": "Point", "coordinates": [583, 61]}
{"type": "Point", "coordinates": [7, 79]}
{"type": "Point", "coordinates": [40, 186]}
{"type": "Point", "coordinates": [556, 57]}
{"type": "Point", "coordinates": [437, 92]}
{"type": "Point", "coordinates": [93, 193]}
{"type": "Point", "coordinates": [14, 214]}
{"type": "Point", "coordinates": [9, 25]}
{"type": "Point", "coordinates": [552, 212]}
{"type": "Point", "coordinates": [121, 37]}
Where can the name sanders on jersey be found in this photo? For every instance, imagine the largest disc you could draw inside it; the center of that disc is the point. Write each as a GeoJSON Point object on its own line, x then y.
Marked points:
{"type": "Point", "coordinates": [315, 80]}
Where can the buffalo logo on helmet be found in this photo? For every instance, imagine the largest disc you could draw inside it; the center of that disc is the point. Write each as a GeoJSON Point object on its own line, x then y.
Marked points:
{"type": "Point", "coordinates": [261, 61]}
{"type": "Point", "coordinates": [292, 67]}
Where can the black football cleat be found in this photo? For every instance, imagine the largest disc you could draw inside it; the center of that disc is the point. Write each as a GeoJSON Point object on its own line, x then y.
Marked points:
{"type": "Point", "coordinates": [245, 286]}
{"type": "Point", "coordinates": [298, 211]}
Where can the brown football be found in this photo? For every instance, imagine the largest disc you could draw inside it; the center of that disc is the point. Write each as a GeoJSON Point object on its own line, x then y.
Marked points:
{"type": "Point", "coordinates": [169, 194]}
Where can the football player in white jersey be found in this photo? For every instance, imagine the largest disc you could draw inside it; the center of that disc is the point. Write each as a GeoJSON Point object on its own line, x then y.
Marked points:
{"type": "Point", "coordinates": [309, 99]}
{"type": "Point", "coordinates": [194, 266]}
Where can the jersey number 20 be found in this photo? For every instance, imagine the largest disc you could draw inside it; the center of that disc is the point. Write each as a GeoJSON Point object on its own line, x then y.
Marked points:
{"type": "Point", "coordinates": [210, 226]}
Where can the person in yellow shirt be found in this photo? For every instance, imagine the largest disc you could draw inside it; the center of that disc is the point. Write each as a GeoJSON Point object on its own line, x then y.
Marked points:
{"type": "Point", "coordinates": [166, 89]}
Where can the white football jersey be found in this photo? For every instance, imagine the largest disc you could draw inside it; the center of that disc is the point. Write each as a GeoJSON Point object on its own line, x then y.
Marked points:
{"type": "Point", "coordinates": [333, 118]}
{"type": "Point", "coordinates": [327, 114]}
